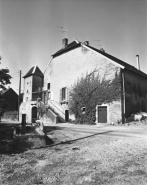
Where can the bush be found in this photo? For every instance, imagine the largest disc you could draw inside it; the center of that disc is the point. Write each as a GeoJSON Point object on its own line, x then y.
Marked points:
{"type": "Point", "coordinates": [3, 106]}
{"type": "Point", "coordinates": [130, 119]}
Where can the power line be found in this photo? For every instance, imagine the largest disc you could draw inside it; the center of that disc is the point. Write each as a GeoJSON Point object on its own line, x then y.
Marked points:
{"type": "Point", "coordinates": [14, 73]}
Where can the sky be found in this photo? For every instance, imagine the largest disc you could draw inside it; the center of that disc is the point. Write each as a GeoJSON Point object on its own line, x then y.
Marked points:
{"type": "Point", "coordinates": [31, 30]}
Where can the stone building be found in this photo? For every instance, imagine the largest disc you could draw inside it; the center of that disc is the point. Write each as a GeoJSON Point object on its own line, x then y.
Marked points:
{"type": "Point", "coordinates": [33, 83]}
{"type": "Point", "coordinates": [76, 59]}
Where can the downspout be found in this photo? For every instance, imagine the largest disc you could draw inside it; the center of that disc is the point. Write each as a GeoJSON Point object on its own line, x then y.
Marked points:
{"type": "Point", "coordinates": [123, 95]}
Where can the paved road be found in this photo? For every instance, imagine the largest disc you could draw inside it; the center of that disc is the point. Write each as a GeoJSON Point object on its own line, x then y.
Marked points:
{"type": "Point", "coordinates": [122, 131]}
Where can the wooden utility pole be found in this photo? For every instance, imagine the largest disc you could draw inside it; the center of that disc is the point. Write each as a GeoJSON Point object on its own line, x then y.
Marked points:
{"type": "Point", "coordinates": [19, 92]}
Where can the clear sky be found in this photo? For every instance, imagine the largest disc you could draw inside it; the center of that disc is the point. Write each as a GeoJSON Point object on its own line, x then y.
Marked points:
{"type": "Point", "coordinates": [28, 36]}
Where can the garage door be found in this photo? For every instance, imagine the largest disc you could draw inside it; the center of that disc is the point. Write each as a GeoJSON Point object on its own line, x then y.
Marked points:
{"type": "Point", "coordinates": [102, 114]}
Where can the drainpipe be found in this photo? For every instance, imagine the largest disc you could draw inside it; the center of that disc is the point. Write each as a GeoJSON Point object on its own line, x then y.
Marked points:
{"type": "Point", "coordinates": [123, 96]}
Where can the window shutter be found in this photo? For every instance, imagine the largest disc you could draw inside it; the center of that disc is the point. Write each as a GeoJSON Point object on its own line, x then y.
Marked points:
{"type": "Point", "coordinates": [52, 95]}
{"type": "Point", "coordinates": [67, 94]}
{"type": "Point", "coordinates": [60, 95]}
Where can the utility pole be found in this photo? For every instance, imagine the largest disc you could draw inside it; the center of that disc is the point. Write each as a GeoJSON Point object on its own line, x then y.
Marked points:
{"type": "Point", "coordinates": [19, 92]}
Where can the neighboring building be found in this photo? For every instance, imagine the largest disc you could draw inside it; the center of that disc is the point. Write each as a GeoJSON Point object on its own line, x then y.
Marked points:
{"type": "Point", "coordinates": [74, 60]}
{"type": "Point", "coordinates": [33, 83]}
{"type": "Point", "coordinates": [11, 98]}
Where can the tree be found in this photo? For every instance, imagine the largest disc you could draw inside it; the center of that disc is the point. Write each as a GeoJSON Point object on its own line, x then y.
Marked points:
{"type": "Point", "coordinates": [90, 91]}
{"type": "Point", "coordinates": [4, 78]}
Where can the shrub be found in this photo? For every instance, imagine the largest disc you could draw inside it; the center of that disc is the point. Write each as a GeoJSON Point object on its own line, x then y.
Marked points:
{"type": "Point", "coordinates": [3, 106]}
{"type": "Point", "coordinates": [130, 119]}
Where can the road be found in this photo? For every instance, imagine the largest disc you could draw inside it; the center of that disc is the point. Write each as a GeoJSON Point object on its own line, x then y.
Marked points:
{"type": "Point", "coordinates": [122, 131]}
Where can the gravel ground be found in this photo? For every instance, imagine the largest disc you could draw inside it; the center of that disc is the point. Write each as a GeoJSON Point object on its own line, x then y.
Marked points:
{"type": "Point", "coordinates": [97, 159]}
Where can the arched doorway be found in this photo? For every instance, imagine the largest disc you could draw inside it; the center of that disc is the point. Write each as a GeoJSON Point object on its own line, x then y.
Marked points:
{"type": "Point", "coordinates": [34, 114]}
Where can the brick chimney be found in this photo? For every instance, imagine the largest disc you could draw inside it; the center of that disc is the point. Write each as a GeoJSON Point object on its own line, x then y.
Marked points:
{"type": "Point", "coordinates": [64, 43]}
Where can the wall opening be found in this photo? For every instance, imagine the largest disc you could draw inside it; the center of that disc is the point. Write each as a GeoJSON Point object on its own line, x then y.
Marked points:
{"type": "Point", "coordinates": [34, 114]}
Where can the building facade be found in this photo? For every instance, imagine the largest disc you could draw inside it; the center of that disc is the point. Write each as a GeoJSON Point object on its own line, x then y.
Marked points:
{"type": "Point", "coordinates": [33, 83]}
{"type": "Point", "coordinates": [77, 59]}
{"type": "Point", "coordinates": [68, 65]}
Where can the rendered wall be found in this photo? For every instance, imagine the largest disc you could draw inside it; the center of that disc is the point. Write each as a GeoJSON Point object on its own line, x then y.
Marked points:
{"type": "Point", "coordinates": [27, 89]}
{"type": "Point", "coordinates": [64, 70]}
{"type": "Point", "coordinates": [135, 93]}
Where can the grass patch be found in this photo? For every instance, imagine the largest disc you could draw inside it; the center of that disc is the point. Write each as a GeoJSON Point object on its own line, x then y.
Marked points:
{"type": "Point", "coordinates": [28, 141]}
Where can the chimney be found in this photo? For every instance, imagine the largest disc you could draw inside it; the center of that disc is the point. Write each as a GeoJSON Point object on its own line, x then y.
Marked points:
{"type": "Point", "coordinates": [64, 43]}
{"type": "Point", "coordinates": [86, 43]}
{"type": "Point", "coordinates": [137, 61]}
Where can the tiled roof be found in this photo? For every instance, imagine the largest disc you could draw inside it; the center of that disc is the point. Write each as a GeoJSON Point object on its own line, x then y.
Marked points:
{"type": "Point", "coordinates": [34, 71]}
{"type": "Point", "coordinates": [70, 46]}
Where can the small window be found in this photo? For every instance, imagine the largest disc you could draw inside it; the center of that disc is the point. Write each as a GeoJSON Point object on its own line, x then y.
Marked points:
{"type": "Point", "coordinates": [48, 86]}
{"type": "Point", "coordinates": [64, 93]}
{"type": "Point", "coordinates": [27, 91]}
{"type": "Point", "coordinates": [26, 98]}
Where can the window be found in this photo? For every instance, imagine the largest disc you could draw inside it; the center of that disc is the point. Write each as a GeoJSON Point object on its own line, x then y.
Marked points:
{"type": "Point", "coordinates": [48, 86]}
{"type": "Point", "coordinates": [64, 94]}
{"type": "Point", "coordinates": [27, 91]}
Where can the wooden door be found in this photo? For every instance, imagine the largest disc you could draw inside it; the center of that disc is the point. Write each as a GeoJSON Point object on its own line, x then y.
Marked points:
{"type": "Point", "coordinates": [102, 114]}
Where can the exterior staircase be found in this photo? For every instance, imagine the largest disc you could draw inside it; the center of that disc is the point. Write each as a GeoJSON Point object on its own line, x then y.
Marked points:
{"type": "Point", "coordinates": [54, 114]}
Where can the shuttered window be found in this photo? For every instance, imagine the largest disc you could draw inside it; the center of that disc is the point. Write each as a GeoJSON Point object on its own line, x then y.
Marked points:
{"type": "Point", "coordinates": [64, 94]}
